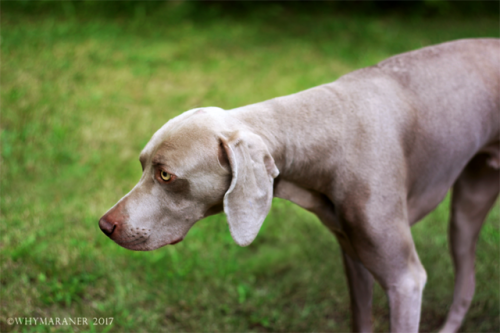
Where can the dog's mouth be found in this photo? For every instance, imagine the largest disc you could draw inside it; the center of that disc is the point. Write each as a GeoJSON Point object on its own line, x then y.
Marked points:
{"type": "Point", "coordinates": [175, 241]}
{"type": "Point", "coordinates": [136, 245]}
{"type": "Point", "coordinates": [141, 244]}
{"type": "Point", "coordinates": [131, 243]}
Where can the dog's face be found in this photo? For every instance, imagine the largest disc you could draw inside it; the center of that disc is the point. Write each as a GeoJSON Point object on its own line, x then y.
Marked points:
{"type": "Point", "coordinates": [194, 166]}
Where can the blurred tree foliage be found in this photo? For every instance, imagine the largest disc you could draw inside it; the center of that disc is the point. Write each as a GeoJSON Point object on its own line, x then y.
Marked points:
{"type": "Point", "coordinates": [208, 9]}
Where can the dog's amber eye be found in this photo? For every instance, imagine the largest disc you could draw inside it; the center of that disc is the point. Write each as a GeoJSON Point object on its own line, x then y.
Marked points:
{"type": "Point", "coordinates": [165, 176]}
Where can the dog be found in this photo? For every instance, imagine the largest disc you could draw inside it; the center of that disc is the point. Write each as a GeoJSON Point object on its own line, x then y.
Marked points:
{"type": "Point", "coordinates": [370, 154]}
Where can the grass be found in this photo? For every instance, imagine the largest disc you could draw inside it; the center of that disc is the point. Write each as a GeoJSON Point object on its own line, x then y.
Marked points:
{"type": "Point", "coordinates": [81, 95]}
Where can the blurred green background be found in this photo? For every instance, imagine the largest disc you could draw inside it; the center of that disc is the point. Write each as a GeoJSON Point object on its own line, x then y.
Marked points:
{"type": "Point", "coordinates": [85, 85]}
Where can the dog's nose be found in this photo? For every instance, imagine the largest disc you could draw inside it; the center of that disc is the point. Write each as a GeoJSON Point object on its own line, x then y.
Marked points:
{"type": "Point", "coordinates": [106, 226]}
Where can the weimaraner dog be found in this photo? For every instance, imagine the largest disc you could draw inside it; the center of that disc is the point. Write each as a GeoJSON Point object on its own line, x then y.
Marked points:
{"type": "Point", "coordinates": [370, 154]}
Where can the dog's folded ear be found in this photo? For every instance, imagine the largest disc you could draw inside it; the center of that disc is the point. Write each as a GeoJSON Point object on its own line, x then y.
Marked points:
{"type": "Point", "coordinates": [249, 197]}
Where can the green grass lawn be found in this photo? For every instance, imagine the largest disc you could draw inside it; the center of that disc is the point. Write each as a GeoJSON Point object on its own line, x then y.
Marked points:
{"type": "Point", "coordinates": [80, 97]}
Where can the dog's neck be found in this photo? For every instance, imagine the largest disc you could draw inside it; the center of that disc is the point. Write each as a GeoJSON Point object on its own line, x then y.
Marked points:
{"type": "Point", "coordinates": [285, 135]}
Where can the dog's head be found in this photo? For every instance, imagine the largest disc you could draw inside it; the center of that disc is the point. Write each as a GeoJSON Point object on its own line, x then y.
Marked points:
{"type": "Point", "coordinates": [198, 164]}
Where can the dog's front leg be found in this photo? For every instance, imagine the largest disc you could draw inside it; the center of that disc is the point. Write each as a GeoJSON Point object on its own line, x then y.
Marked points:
{"type": "Point", "coordinates": [388, 252]}
{"type": "Point", "coordinates": [359, 278]}
{"type": "Point", "coordinates": [360, 283]}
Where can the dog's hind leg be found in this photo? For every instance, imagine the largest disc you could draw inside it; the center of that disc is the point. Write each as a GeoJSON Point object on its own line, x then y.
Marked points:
{"type": "Point", "coordinates": [473, 195]}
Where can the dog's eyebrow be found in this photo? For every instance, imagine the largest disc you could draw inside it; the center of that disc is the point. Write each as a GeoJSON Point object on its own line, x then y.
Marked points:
{"type": "Point", "coordinates": [159, 160]}
{"type": "Point", "coordinates": [159, 157]}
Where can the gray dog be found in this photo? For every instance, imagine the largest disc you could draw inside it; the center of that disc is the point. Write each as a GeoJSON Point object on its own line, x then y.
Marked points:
{"type": "Point", "coordinates": [370, 154]}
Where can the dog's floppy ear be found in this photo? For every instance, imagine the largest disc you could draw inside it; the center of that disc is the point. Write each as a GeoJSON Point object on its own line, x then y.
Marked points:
{"type": "Point", "coordinates": [249, 197]}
